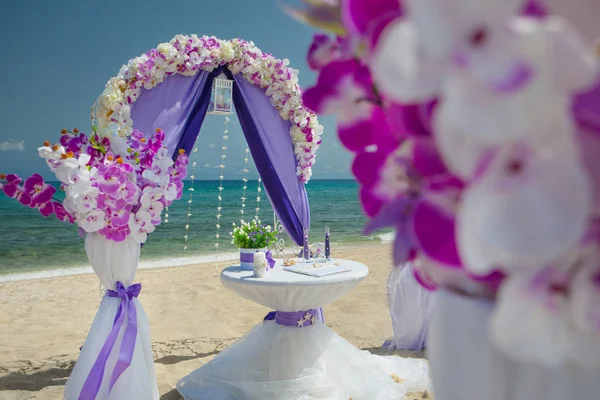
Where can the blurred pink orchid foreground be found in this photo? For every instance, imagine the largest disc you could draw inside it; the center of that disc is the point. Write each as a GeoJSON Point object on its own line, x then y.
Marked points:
{"type": "Point", "coordinates": [476, 134]}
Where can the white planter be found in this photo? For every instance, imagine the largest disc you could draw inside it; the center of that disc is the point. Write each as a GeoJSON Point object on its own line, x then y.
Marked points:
{"type": "Point", "coordinates": [464, 365]}
{"type": "Point", "coordinates": [247, 258]}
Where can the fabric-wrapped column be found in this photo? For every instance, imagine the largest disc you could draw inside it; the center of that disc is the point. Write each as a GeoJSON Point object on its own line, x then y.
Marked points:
{"type": "Point", "coordinates": [116, 360]}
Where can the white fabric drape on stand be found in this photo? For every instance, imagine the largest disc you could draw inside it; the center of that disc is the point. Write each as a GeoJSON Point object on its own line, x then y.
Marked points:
{"type": "Point", "coordinates": [465, 366]}
{"type": "Point", "coordinates": [410, 309]}
{"type": "Point", "coordinates": [276, 362]}
{"type": "Point", "coordinates": [115, 262]}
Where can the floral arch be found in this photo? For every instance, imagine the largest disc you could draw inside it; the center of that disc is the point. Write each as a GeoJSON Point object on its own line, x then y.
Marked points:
{"type": "Point", "coordinates": [169, 88]}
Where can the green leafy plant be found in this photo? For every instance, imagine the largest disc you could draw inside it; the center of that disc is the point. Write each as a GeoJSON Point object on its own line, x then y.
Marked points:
{"type": "Point", "coordinates": [253, 235]}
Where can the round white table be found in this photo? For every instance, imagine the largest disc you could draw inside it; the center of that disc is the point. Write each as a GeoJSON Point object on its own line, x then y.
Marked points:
{"type": "Point", "coordinates": [279, 362]}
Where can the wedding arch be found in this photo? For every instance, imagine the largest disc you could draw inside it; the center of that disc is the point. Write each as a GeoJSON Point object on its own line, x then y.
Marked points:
{"type": "Point", "coordinates": [170, 88]}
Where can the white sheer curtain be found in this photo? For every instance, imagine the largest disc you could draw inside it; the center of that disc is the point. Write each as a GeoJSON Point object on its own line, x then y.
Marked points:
{"type": "Point", "coordinates": [115, 262]}
{"type": "Point", "coordinates": [410, 309]}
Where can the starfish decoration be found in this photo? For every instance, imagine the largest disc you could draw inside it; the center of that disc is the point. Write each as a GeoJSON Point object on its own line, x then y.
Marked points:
{"type": "Point", "coordinates": [301, 322]}
{"type": "Point", "coordinates": [307, 317]}
{"type": "Point", "coordinates": [313, 320]}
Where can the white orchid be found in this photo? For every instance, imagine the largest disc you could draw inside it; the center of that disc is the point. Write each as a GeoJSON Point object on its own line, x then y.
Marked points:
{"type": "Point", "coordinates": [140, 225]}
{"type": "Point", "coordinates": [93, 221]}
{"type": "Point", "coordinates": [67, 165]}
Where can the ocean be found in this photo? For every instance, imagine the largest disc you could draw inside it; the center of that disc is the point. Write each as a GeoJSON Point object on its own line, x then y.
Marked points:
{"type": "Point", "coordinates": [32, 246]}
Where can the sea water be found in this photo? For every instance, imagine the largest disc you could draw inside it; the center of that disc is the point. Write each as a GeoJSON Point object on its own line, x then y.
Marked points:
{"type": "Point", "coordinates": [32, 246]}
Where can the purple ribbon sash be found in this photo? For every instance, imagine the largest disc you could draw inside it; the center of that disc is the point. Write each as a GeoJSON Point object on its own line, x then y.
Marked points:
{"type": "Point", "coordinates": [94, 380]}
{"type": "Point", "coordinates": [270, 261]}
{"type": "Point", "coordinates": [247, 257]}
{"type": "Point", "coordinates": [297, 319]}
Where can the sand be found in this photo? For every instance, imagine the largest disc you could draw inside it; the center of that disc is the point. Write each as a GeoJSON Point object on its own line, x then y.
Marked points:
{"type": "Point", "coordinates": [192, 317]}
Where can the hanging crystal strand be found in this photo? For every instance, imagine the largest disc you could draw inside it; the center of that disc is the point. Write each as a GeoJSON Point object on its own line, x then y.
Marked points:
{"type": "Point", "coordinates": [245, 183]}
{"type": "Point", "coordinates": [258, 190]}
{"type": "Point", "coordinates": [166, 214]}
{"type": "Point", "coordinates": [191, 191]}
{"type": "Point", "coordinates": [221, 177]}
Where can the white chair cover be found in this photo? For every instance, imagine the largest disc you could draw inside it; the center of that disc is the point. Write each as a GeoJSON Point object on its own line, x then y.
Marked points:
{"type": "Point", "coordinates": [410, 309]}
{"type": "Point", "coordinates": [115, 262]}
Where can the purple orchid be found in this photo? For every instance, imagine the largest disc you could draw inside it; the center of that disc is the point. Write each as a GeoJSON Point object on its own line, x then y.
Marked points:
{"type": "Point", "coordinates": [41, 193]}
{"type": "Point", "coordinates": [366, 20]}
{"type": "Point", "coordinates": [345, 89]}
{"type": "Point", "coordinates": [13, 189]}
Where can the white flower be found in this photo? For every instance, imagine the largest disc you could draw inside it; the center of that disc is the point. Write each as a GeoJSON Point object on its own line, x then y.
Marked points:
{"type": "Point", "coordinates": [170, 192]}
{"type": "Point", "coordinates": [150, 196]}
{"type": "Point", "coordinates": [65, 166]}
{"type": "Point", "coordinates": [92, 221]}
{"type": "Point", "coordinates": [47, 153]}
{"type": "Point", "coordinates": [140, 225]}
{"type": "Point", "coordinates": [524, 212]}
{"type": "Point", "coordinates": [80, 179]}
{"type": "Point", "coordinates": [87, 202]}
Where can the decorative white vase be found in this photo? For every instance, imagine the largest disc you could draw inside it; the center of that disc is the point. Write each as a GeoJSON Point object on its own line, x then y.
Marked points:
{"type": "Point", "coordinates": [465, 366]}
{"type": "Point", "coordinates": [247, 258]}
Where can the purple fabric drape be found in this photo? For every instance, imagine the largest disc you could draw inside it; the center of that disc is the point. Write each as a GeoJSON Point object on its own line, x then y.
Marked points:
{"type": "Point", "coordinates": [179, 105]}
{"type": "Point", "coordinates": [168, 106]}
{"type": "Point", "coordinates": [269, 142]}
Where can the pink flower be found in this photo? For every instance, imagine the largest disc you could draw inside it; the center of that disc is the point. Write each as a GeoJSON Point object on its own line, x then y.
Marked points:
{"type": "Point", "coordinates": [112, 180]}
{"type": "Point", "coordinates": [14, 191]}
{"type": "Point", "coordinates": [323, 51]}
{"type": "Point", "coordinates": [108, 202]}
{"type": "Point", "coordinates": [367, 19]}
{"type": "Point", "coordinates": [116, 234]}
{"type": "Point", "coordinates": [345, 89]}
{"type": "Point", "coordinates": [46, 209]}
{"type": "Point", "coordinates": [182, 160]}
{"type": "Point", "coordinates": [40, 192]}
{"type": "Point", "coordinates": [128, 192]}
{"type": "Point", "coordinates": [61, 213]}
{"type": "Point", "coordinates": [119, 218]}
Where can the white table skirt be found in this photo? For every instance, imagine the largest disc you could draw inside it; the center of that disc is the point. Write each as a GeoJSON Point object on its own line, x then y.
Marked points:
{"type": "Point", "coordinates": [275, 362]}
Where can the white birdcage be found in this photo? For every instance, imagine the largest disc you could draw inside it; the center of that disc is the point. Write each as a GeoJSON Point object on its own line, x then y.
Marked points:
{"type": "Point", "coordinates": [221, 98]}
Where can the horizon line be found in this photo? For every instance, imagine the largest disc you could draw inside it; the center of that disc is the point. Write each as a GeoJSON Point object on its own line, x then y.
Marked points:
{"type": "Point", "coordinates": [236, 180]}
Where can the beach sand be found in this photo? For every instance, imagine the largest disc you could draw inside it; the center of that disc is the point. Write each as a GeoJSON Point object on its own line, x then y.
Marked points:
{"type": "Point", "coordinates": [192, 317]}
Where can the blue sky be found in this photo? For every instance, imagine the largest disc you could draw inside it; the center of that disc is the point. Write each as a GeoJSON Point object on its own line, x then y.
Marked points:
{"type": "Point", "coordinates": [57, 56]}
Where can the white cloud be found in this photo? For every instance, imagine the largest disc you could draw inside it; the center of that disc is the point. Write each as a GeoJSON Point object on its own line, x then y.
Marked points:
{"type": "Point", "coordinates": [12, 145]}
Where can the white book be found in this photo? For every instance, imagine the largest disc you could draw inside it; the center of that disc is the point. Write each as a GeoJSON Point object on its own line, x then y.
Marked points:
{"type": "Point", "coordinates": [309, 269]}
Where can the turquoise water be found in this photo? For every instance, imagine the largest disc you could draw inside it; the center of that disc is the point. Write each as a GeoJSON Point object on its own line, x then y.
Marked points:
{"type": "Point", "coordinates": [30, 242]}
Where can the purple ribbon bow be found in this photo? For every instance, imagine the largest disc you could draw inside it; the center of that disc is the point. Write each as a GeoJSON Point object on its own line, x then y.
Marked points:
{"type": "Point", "coordinates": [94, 380]}
{"type": "Point", "coordinates": [270, 260]}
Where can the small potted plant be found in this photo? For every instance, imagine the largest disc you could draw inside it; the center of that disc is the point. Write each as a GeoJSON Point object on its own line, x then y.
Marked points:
{"type": "Point", "coordinates": [251, 237]}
